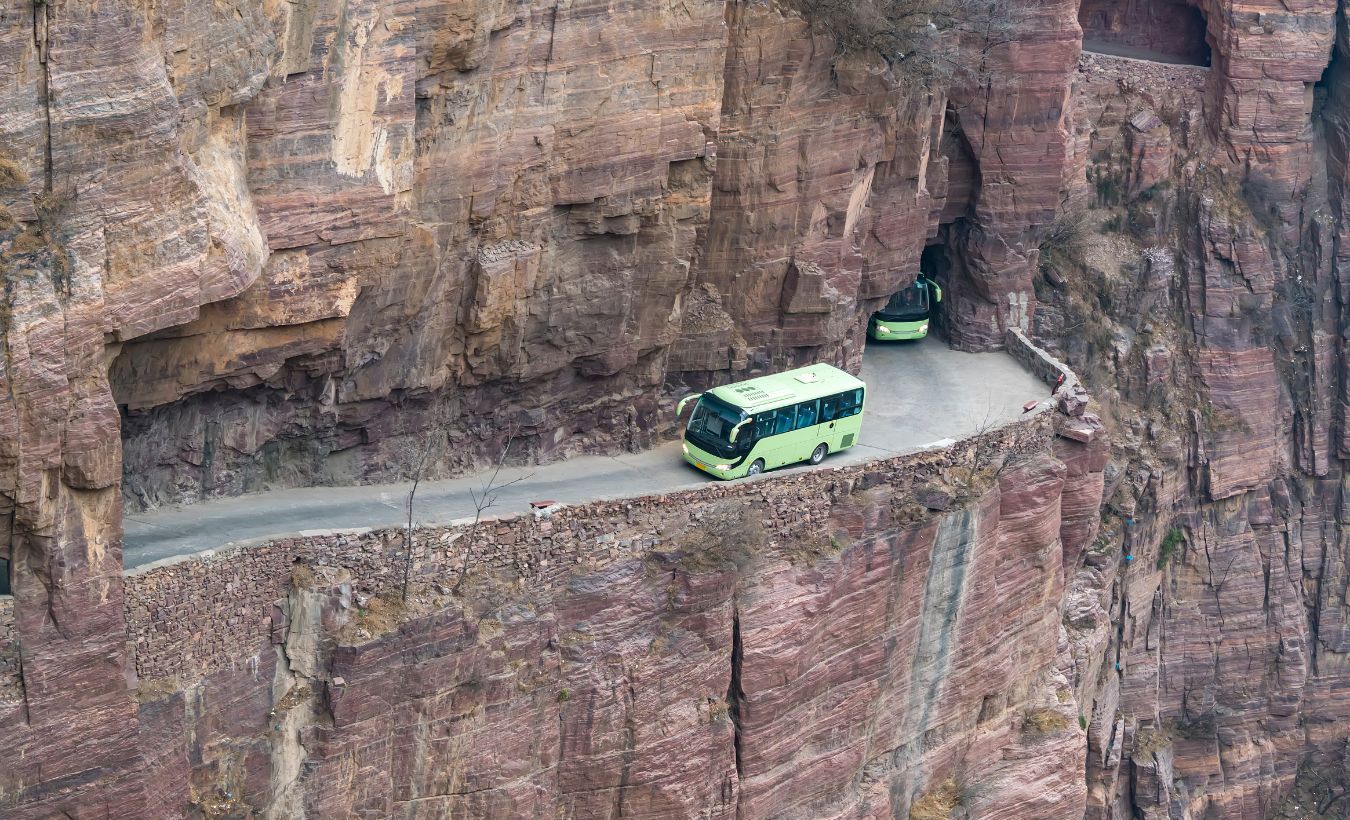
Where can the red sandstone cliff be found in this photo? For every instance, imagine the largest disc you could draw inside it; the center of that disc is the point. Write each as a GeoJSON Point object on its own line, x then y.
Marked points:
{"type": "Point", "coordinates": [249, 245]}
{"type": "Point", "coordinates": [730, 652]}
{"type": "Point", "coordinates": [1202, 284]}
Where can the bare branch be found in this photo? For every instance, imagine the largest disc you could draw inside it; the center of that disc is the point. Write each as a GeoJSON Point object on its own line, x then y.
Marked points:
{"type": "Point", "coordinates": [483, 500]}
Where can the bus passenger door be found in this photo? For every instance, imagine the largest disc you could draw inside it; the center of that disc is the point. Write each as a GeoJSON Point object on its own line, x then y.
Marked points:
{"type": "Point", "coordinates": [808, 430]}
{"type": "Point", "coordinates": [829, 417]}
{"type": "Point", "coordinates": [769, 444]}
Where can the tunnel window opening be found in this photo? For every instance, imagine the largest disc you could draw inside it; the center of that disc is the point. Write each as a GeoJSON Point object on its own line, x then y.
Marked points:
{"type": "Point", "coordinates": [4, 578]}
{"type": "Point", "coordinates": [1324, 90]}
{"type": "Point", "coordinates": [1165, 31]}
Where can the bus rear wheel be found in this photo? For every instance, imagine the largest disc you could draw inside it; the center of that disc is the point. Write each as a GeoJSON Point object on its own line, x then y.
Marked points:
{"type": "Point", "coordinates": [818, 455]}
{"type": "Point", "coordinates": [756, 467]}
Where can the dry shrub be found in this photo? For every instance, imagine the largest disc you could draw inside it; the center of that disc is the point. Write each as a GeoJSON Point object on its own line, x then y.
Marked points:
{"type": "Point", "coordinates": [726, 532]}
{"type": "Point", "coordinates": [937, 804]}
{"type": "Point", "coordinates": [1044, 722]}
{"type": "Point", "coordinates": [1064, 243]}
{"type": "Point", "coordinates": [11, 175]}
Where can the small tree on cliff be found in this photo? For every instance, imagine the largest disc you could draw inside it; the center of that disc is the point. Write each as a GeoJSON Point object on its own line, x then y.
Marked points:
{"type": "Point", "coordinates": [484, 499]}
{"type": "Point", "coordinates": [419, 459]}
{"type": "Point", "coordinates": [920, 39]}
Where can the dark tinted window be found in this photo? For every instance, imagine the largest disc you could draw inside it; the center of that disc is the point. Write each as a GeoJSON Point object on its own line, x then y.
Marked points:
{"type": "Point", "coordinates": [784, 419]}
{"type": "Point", "coordinates": [910, 302]}
{"type": "Point", "coordinates": [764, 424]}
{"type": "Point", "coordinates": [807, 413]}
{"type": "Point", "coordinates": [829, 409]}
{"type": "Point", "coordinates": [4, 577]}
{"type": "Point", "coordinates": [850, 403]}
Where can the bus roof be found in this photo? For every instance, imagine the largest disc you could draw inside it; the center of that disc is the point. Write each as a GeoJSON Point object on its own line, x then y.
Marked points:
{"type": "Point", "coordinates": [802, 384]}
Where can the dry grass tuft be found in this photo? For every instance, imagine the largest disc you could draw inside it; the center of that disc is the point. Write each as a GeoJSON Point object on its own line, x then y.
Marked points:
{"type": "Point", "coordinates": [1044, 722]}
{"type": "Point", "coordinates": [11, 175]}
{"type": "Point", "coordinates": [30, 241]}
{"type": "Point", "coordinates": [380, 616]}
{"type": "Point", "coordinates": [152, 689]}
{"type": "Point", "coordinates": [1150, 739]}
{"type": "Point", "coordinates": [937, 804]}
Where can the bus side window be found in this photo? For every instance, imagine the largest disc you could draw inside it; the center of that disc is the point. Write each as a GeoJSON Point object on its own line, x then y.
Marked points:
{"type": "Point", "coordinates": [783, 419]}
{"type": "Point", "coordinates": [829, 409]}
{"type": "Point", "coordinates": [806, 414]}
{"type": "Point", "coordinates": [764, 425]}
{"type": "Point", "coordinates": [850, 403]}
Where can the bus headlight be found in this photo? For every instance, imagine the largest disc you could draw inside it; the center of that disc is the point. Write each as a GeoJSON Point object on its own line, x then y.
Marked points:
{"type": "Point", "coordinates": [722, 467]}
{"type": "Point", "coordinates": [923, 328]}
{"type": "Point", "coordinates": [883, 329]}
{"type": "Point", "coordinates": [685, 447]}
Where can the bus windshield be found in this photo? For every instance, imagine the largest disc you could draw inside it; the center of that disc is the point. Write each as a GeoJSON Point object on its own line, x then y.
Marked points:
{"type": "Point", "coordinates": [910, 303]}
{"type": "Point", "coordinates": [711, 425]}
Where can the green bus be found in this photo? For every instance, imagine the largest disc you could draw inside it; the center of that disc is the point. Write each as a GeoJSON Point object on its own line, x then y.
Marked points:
{"type": "Point", "coordinates": [906, 315]}
{"type": "Point", "coordinates": [748, 427]}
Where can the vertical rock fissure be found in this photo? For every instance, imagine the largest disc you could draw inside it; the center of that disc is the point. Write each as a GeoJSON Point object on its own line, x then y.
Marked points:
{"type": "Point", "coordinates": [736, 696]}
{"type": "Point", "coordinates": [629, 746]}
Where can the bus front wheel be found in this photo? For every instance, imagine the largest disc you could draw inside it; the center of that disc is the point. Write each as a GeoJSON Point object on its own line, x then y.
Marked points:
{"type": "Point", "coordinates": [756, 467]}
{"type": "Point", "coordinates": [818, 455]}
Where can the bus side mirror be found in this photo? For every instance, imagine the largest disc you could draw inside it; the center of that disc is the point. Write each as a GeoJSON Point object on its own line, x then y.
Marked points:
{"type": "Point", "coordinates": [736, 431]}
{"type": "Point", "coordinates": [937, 292]}
{"type": "Point", "coordinates": [679, 408]}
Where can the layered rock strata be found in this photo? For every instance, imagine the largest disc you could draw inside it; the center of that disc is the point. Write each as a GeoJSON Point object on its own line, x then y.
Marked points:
{"type": "Point", "coordinates": [1205, 289]}
{"type": "Point", "coordinates": [518, 224]}
{"type": "Point", "coordinates": [725, 652]}
{"type": "Point", "coordinates": [288, 240]}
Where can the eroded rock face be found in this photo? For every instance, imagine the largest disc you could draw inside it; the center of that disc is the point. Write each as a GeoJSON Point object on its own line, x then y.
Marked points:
{"type": "Point", "coordinates": [847, 662]}
{"type": "Point", "coordinates": [120, 214]}
{"type": "Point", "coordinates": [1214, 320]}
{"type": "Point", "coordinates": [480, 218]}
{"type": "Point", "coordinates": [515, 223]}
{"type": "Point", "coordinates": [288, 239]}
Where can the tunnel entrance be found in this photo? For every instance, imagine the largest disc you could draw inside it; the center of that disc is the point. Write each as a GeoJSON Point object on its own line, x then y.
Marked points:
{"type": "Point", "coordinates": [1168, 31]}
{"type": "Point", "coordinates": [908, 314]}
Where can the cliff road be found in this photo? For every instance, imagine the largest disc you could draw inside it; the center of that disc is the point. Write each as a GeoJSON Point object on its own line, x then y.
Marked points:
{"type": "Point", "coordinates": [920, 394]}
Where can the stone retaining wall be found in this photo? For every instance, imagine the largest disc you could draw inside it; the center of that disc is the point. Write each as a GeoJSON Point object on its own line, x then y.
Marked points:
{"type": "Point", "coordinates": [1041, 364]}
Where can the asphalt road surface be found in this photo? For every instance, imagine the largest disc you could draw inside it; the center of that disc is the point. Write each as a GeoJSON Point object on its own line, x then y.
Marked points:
{"type": "Point", "coordinates": [920, 394]}
{"type": "Point", "coordinates": [1131, 52]}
